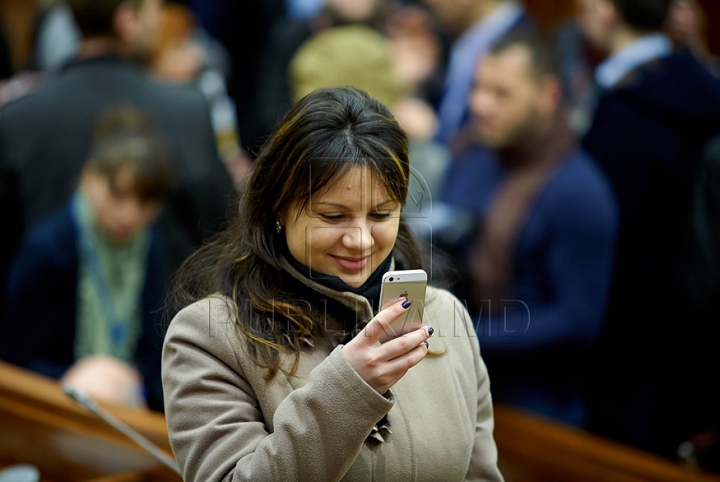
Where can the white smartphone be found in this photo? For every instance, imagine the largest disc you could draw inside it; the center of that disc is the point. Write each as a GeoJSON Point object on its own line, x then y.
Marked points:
{"type": "Point", "coordinates": [408, 284]}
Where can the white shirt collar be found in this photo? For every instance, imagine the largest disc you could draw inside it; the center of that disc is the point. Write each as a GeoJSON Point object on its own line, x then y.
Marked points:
{"type": "Point", "coordinates": [633, 55]}
{"type": "Point", "coordinates": [494, 24]}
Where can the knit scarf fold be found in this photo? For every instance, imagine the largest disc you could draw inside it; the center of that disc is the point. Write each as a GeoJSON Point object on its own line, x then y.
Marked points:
{"type": "Point", "coordinates": [109, 288]}
{"type": "Point", "coordinates": [528, 167]}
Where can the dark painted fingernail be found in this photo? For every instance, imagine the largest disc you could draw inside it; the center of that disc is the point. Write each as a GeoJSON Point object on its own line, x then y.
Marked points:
{"type": "Point", "coordinates": [427, 345]}
{"type": "Point", "coordinates": [406, 304]}
{"type": "Point", "coordinates": [431, 330]}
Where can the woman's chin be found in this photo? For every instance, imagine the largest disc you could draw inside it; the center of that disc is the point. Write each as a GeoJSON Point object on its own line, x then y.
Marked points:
{"type": "Point", "coordinates": [355, 280]}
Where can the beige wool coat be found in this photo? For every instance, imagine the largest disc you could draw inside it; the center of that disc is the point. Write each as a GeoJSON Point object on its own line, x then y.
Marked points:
{"type": "Point", "coordinates": [226, 422]}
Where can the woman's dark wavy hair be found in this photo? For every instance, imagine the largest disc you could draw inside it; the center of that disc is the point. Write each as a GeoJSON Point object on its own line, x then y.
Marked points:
{"type": "Point", "coordinates": [323, 135]}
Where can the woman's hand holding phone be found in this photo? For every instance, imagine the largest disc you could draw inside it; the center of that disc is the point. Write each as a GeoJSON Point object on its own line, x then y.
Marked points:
{"type": "Point", "coordinates": [381, 365]}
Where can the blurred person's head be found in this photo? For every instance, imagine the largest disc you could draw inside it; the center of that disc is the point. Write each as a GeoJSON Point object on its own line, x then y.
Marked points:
{"type": "Point", "coordinates": [611, 24]}
{"type": "Point", "coordinates": [354, 55]}
{"type": "Point", "coordinates": [685, 24]}
{"type": "Point", "coordinates": [517, 91]}
{"type": "Point", "coordinates": [457, 16]}
{"type": "Point", "coordinates": [129, 24]}
{"type": "Point", "coordinates": [352, 11]}
{"type": "Point", "coordinates": [127, 175]}
{"type": "Point", "coordinates": [174, 55]}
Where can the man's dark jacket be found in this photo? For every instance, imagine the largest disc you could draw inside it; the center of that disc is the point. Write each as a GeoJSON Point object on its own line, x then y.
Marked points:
{"type": "Point", "coordinates": [647, 134]}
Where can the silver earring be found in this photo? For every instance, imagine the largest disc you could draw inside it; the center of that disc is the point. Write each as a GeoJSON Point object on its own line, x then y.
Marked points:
{"type": "Point", "coordinates": [278, 227]}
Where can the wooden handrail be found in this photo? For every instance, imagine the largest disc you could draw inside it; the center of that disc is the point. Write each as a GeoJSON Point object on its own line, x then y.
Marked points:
{"type": "Point", "coordinates": [537, 450]}
{"type": "Point", "coordinates": [42, 426]}
{"type": "Point", "coordinates": [36, 392]}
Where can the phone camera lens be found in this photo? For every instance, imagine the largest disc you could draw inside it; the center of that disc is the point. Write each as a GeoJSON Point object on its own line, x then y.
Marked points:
{"type": "Point", "coordinates": [391, 278]}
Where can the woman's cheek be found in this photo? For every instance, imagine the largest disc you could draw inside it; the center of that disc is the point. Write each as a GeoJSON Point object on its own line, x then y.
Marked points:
{"type": "Point", "coordinates": [321, 237]}
{"type": "Point", "coordinates": [385, 233]}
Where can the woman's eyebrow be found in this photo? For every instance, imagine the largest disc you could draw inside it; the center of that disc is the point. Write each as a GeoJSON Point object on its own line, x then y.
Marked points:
{"type": "Point", "coordinates": [338, 205]}
{"type": "Point", "coordinates": [330, 204]}
{"type": "Point", "coordinates": [385, 202]}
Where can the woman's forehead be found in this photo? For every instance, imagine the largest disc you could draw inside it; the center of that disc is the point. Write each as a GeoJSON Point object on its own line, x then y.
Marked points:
{"type": "Point", "coordinates": [356, 182]}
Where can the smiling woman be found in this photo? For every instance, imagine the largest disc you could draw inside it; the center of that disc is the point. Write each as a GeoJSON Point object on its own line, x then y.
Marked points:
{"type": "Point", "coordinates": [274, 368]}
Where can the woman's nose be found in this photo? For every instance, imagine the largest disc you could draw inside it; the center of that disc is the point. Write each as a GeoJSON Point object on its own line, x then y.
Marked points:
{"type": "Point", "coordinates": [358, 237]}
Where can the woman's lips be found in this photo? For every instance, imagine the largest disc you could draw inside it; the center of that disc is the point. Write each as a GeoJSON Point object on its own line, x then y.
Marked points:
{"type": "Point", "coordinates": [351, 264]}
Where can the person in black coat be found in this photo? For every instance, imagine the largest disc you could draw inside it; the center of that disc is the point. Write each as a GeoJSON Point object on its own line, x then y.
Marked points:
{"type": "Point", "coordinates": [700, 276]}
{"type": "Point", "coordinates": [45, 137]}
{"type": "Point", "coordinates": [657, 109]}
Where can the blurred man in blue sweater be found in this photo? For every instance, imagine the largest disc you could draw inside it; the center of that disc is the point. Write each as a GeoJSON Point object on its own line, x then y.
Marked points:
{"type": "Point", "coordinates": [540, 263]}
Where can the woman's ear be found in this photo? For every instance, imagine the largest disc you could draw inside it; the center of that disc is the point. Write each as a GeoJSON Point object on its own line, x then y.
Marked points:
{"type": "Point", "coordinates": [288, 215]}
{"type": "Point", "coordinates": [282, 217]}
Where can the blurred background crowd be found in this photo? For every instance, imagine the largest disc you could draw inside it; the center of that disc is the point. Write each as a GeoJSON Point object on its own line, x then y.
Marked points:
{"type": "Point", "coordinates": [566, 182]}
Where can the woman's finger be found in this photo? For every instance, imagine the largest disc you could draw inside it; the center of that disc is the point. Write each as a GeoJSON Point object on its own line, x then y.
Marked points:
{"type": "Point", "coordinates": [405, 343]}
{"type": "Point", "coordinates": [391, 302]}
{"type": "Point", "coordinates": [377, 326]}
{"type": "Point", "coordinates": [400, 365]}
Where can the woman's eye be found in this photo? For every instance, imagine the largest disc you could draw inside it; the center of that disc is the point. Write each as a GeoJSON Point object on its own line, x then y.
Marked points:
{"type": "Point", "coordinates": [338, 217]}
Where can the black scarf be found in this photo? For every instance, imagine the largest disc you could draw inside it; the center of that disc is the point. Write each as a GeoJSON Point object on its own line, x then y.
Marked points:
{"type": "Point", "coordinates": [370, 289]}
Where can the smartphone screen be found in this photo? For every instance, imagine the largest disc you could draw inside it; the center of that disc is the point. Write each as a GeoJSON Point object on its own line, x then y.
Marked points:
{"type": "Point", "coordinates": [408, 284]}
